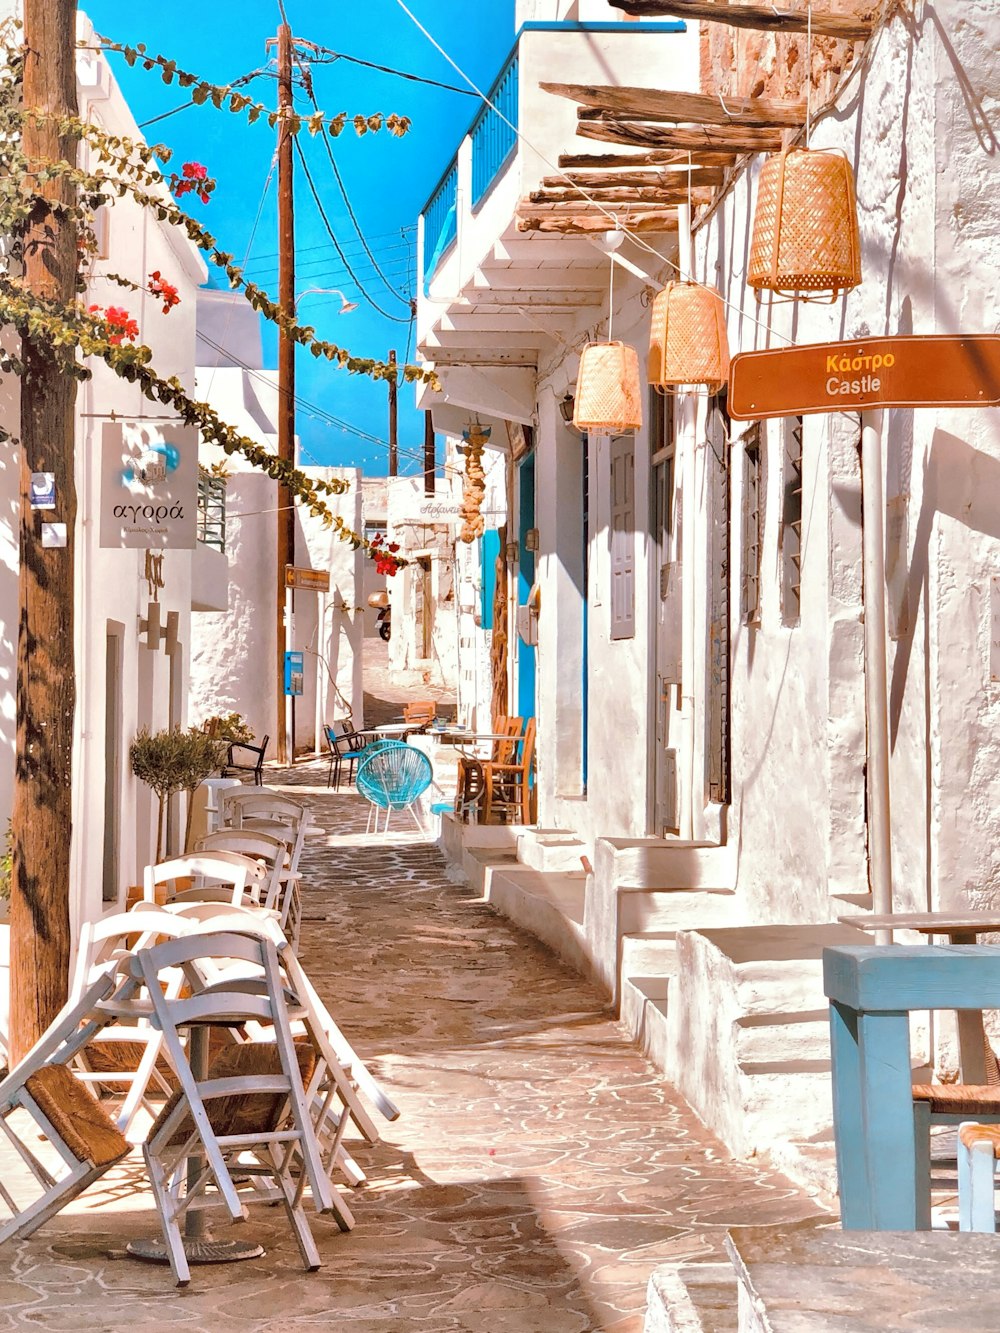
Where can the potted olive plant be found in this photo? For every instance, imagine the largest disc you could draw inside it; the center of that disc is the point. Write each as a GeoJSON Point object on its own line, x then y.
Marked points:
{"type": "Point", "coordinates": [172, 761]}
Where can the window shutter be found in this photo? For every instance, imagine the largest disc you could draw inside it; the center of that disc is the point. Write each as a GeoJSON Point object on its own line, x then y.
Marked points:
{"type": "Point", "coordinates": [622, 537]}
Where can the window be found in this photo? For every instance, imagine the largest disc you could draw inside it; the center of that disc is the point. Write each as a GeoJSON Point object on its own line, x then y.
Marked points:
{"type": "Point", "coordinates": [212, 511]}
{"type": "Point", "coordinates": [622, 537]}
{"type": "Point", "coordinates": [753, 523]}
{"type": "Point", "coordinates": [791, 522]}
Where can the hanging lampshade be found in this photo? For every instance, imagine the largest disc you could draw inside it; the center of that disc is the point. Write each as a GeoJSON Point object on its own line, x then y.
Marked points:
{"type": "Point", "coordinates": [608, 392]}
{"type": "Point", "coordinates": [687, 339]}
{"type": "Point", "coordinates": [805, 228]}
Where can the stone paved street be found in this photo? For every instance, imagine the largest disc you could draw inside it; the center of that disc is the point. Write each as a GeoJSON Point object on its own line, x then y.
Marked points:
{"type": "Point", "coordinates": [538, 1174]}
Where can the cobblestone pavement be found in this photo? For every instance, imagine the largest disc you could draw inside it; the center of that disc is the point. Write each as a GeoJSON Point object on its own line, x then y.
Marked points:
{"type": "Point", "coordinates": [539, 1172]}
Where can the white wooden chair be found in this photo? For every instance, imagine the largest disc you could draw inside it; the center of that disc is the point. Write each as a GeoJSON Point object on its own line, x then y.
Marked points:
{"type": "Point", "coordinates": [61, 1110]}
{"type": "Point", "coordinates": [250, 1105]}
{"type": "Point", "coordinates": [230, 877]}
{"type": "Point", "coordinates": [281, 892]}
{"type": "Point", "coordinates": [125, 1054]}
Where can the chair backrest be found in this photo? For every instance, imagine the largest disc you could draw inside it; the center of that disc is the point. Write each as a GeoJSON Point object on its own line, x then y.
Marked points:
{"type": "Point", "coordinates": [255, 804]}
{"type": "Point", "coordinates": [106, 943]}
{"type": "Point", "coordinates": [394, 778]}
{"type": "Point", "coordinates": [505, 751]}
{"type": "Point", "coordinates": [201, 865]}
{"type": "Point", "coordinates": [528, 746]}
{"type": "Point", "coordinates": [420, 711]}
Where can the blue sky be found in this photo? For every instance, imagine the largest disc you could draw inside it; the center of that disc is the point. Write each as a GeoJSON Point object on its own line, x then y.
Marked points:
{"type": "Point", "coordinates": [387, 180]}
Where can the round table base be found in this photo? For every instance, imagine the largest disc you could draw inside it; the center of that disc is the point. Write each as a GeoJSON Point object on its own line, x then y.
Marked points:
{"type": "Point", "coordinates": [196, 1251]}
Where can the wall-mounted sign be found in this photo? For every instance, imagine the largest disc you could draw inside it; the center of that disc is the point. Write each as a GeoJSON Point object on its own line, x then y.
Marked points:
{"type": "Point", "coordinates": [318, 580]}
{"type": "Point", "coordinates": [43, 490]}
{"type": "Point", "coordinates": [427, 509]}
{"type": "Point", "coordinates": [149, 486]}
{"type": "Point", "coordinates": [54, 534]}
{"type": "Point", "coordinates": [907, 371]}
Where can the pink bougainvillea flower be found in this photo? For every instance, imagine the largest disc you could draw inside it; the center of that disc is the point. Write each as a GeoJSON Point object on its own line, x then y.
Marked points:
{"type": "Point", "coordinates": [166, 291]}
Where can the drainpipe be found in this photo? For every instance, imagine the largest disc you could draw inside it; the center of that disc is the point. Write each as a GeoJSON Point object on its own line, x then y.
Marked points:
{"type": "Point", "coordinates": [876, 680]}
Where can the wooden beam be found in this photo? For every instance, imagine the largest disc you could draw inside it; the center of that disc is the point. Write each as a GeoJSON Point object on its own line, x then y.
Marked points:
{"type": "Point", "coordinates": [591, 224]}
{"type": "Point", "coordinates": [846, 27]}
{"type": "Point", "coordinates": [686, 108]}
{"type": "Point", "coordinates": [736, 139]}
{"type": "Point", "coordinates": [674, 158]}
{"type": "Point", "coordinates": [658, 180]}
{"type": "Point", "coordinates": [618, 198]}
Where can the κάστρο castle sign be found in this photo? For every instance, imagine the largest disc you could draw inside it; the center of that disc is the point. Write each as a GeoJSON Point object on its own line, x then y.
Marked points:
{"type": "Point", "coordinates": [908, 371]}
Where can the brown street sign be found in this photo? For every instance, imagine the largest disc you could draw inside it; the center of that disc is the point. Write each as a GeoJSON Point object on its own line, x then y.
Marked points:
{"type": "Point", "coordinates": [908, 371]}
{"type": "Point", "coordinates": [318, 580]}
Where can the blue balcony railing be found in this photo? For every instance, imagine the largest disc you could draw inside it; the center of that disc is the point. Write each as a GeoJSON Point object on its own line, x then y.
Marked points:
{"type": "Point", "coordinates": [494, 132]}
{"type": "Point", "coordinates": [441, 220]}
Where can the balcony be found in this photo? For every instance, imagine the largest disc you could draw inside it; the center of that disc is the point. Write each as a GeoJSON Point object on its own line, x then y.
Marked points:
{"type": "Point", "coordinates": [493, 299]}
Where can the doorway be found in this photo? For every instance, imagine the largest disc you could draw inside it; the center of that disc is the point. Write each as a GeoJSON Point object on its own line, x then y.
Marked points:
{"type": "Point", "coordinates": [114, 661]}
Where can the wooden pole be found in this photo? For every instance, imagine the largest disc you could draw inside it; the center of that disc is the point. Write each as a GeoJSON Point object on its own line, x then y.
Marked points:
{"type": "Point", "coordinates": [393, 421]}
{"type": "Point", "coordinates": [46, 683]}
{"type": "Point", "coordinates": [286, 379]}
{"type": "Point", "coordinates": [428, 454]}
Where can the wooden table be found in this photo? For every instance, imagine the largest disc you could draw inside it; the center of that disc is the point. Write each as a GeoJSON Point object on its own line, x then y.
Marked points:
{"type": "Point", "coordinates": [873, 989]}
{"type": "Point", "coordinates": [960, 928]}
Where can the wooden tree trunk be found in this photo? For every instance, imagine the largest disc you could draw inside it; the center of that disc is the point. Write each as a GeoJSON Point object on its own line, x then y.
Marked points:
{"type": "Point", "coordinates": [46, 686]}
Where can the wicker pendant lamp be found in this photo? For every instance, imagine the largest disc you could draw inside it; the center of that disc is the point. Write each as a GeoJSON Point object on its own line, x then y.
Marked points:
{"type": "Point", "coordinates": [688, 343]}
{"type": "Point", "coordinates": [608, 391]}
{"type": "Point", "coordinates": [805, 227]}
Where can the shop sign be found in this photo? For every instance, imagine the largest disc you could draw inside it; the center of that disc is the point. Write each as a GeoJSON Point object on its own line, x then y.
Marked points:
{"type": "Point", "coordinates": [907, 371]}
{"type": "Point", "coordinates": [426, 509]}
{"type": "Point", "coordinates": [149, 486]}
{"type": "Point", "coordinates": [318, 580]}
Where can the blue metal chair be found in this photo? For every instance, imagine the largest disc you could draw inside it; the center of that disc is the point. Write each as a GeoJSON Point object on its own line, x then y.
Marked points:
{"type": "Point", "coordinates": [393, 776]}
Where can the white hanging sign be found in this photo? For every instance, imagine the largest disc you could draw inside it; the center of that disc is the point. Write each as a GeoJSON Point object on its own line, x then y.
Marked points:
{"type": "Point", "coordinates": [149, 486]}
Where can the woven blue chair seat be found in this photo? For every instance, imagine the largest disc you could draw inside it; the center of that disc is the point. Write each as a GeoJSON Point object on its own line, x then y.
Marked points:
{"type": "Point", "coordinates": [392, 776]}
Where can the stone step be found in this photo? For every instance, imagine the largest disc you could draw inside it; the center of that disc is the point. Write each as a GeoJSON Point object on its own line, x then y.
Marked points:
{"type": "Point", "coordinates": [476, 864]}
{"type": "Point", "coordinates": [691, 1298]}
{"type": "Point", "coordinates": [651, 954]}
{"type": "Point", "coordinates": [668, 863]}
{"type": "Point", "coordinates": [549, 905]}
{"type": "Point", "coordinates": [763, 1039]}
{"type": "Point", "coordinates": [551, 850]}
{"type": "Point", "coordinates": [825, 1280]}
{"type": "Point", "coordinates": [644, 1014]}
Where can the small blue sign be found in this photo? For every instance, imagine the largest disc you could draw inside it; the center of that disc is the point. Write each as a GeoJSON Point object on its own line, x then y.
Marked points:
{"type": "Point", "coordinates": [294, 671]}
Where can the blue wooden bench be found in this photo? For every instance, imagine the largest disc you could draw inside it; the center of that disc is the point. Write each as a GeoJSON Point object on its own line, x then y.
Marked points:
{"type": "Point", "coordinates": [881, 1166]}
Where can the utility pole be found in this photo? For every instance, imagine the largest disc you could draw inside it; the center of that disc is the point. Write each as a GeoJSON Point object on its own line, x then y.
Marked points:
{"type": "Point", "coordinates": [46, 683]}
{"type": "Point", "coordinates": [393, 421]}
{"type": "Point", "coordinates": [428, 454]}
{"type": "Point", "coordinates": [286, 389]}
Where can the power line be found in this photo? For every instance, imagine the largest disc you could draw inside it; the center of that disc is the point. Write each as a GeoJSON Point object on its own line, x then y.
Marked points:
{"type": "Point", "coordinates": [308, 407]}
{"type": "Point", "coordinates": [334, 56]}
{"type": "Point", "coordinates": [310, 93]}
{"type": "Point", "coordinates": [396, 319]}
{"type": "Point", "coordinates": [325, 245]}
{"type": "Point", "coordinates": [236, 83]}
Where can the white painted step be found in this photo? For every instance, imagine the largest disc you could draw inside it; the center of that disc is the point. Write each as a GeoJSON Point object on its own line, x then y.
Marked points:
{"type": "Point", "coordinates": [549, 906]}
{"type": "Point", "coordinates": [551, 850]}
{"type": "Point", "coordinates": [691, 1298]}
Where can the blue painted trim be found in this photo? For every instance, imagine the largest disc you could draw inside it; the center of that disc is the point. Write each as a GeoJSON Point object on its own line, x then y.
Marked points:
{"type": "Point", "coordinates": [573, 25]}
{"type": "Point", "coordinates": [489, 550]}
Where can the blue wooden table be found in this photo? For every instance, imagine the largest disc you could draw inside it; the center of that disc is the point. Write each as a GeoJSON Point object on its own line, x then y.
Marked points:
{"type": "Point", "coordinates": [872, 991]}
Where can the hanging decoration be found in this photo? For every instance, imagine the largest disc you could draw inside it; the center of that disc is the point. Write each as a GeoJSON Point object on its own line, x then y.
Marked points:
{"type": "Point", "coordinates": [608, 389]}
{"type": "Point", "coordinates": [688, 343]}
{"type": "Point", "coordinates": [476, 437]}
{"type": "Point", "coordinates": [805, 226]}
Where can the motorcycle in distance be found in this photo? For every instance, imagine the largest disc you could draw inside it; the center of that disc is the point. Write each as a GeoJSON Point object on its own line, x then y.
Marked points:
{"type": "Point", "coordinates": [380, 602]}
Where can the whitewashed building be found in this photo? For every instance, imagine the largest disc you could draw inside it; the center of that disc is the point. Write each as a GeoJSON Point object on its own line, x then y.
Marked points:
{"type": "Point", "coordinates": [699, 676]}
{"type": "Point", "coordinates": [235, 649]}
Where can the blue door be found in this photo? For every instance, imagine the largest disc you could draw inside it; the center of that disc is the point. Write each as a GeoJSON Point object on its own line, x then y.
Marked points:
{"type": "Point", "coordinates": [525, 582]}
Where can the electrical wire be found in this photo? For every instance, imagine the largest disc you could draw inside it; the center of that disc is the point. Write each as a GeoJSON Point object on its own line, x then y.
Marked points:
{"type": "Point", "coordinates": [406, 300]}
{"type": "Point", "coordinates": [236, 83]}
{"type": "Point", "coordinates": [334, 56]}
{"type": "Point", "coordinates": [308, 407]}
{"type": "Point", "coordinates": [396, 319]}
{"type": "Point", "coordinates": [638, 239]}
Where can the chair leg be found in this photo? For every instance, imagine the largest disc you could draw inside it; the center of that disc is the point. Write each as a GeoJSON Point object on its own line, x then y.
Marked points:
{"type": "Point", "coordinates": [922, 1163]}
{"type": "Point", "coordinates": [300, 1224]}
{"type": "Point", "coordinates": [976, 1203]}
{"type": "Point", "coordinates": [166, 1207]}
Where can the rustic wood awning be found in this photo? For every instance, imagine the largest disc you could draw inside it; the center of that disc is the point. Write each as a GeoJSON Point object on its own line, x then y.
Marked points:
{"type": "Point", "coordinates": [848, 27]}
{"type": "Point", "coordinates": [581, 221]}
{"type": "Point", "coordinates": [653, 158]}
{"type": "Point", "coordinates": [681, 108]}
{"type": "Point", "coordinates": [684, 138]}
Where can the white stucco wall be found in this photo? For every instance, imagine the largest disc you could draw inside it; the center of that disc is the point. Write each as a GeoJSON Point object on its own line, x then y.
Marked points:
{"type": "Point", "coordinates": [913, 130]}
